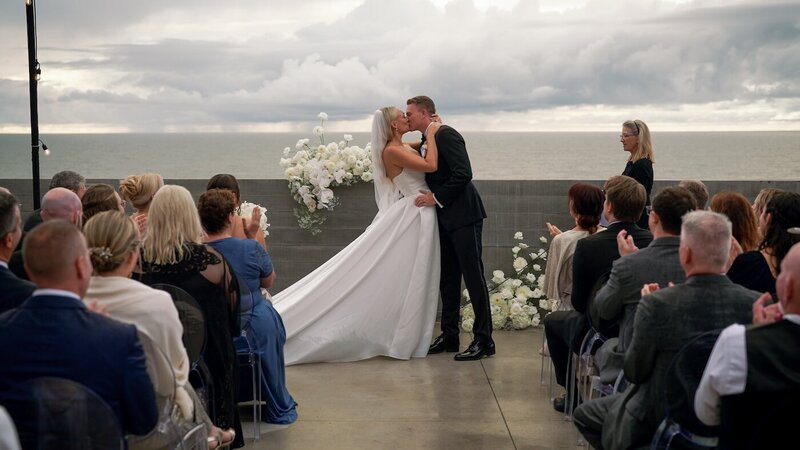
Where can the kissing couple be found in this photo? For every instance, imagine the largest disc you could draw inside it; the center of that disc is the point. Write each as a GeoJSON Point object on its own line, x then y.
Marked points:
{"type": "Point", "coordinates": [379, 295]}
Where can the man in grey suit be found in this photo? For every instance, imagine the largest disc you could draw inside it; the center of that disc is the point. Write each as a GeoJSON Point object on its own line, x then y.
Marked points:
{"type": "Point", "coordinates": [665, 320]}
{"type": "Point", "coordinates": [658, 263]}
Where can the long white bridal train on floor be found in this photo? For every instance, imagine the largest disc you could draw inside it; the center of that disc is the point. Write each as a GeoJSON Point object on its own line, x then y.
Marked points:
{"type": "Point", "coordinates": [378, 296]}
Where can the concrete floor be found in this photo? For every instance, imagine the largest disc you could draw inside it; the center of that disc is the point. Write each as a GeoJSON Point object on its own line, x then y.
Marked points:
{"type": "Point", "coordinates": [428, 403]}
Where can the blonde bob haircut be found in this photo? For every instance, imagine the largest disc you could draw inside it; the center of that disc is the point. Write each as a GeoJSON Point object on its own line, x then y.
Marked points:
{"type": "Point", "coordinates": [140, 189]}
{"type": "Point", "coordinates": [111, 237]}
{"type": "Point", "coordinates": [173, 224]}
{"type": "Point", "coordinates": [644, 146]}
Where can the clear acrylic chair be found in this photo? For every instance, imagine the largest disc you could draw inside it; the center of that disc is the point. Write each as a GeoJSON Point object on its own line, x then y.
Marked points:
{"type": "Point", "coordinates": [167, 432]}
{"type": "Point", "coordinates": [60, 414]}
{"type": "Point", "coordinates": [247, 356]}
{"type": "Point", "coordinates": [193, 320]}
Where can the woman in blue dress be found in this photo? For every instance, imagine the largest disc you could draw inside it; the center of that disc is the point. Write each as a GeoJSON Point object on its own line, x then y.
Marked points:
{"type": "Point", "coordinates": [262, 328]}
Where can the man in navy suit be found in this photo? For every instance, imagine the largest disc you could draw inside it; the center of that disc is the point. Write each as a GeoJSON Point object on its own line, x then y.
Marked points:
{"type": "Point", "coordinates": [53, 335]}
{"type": "Point", "coordinates": [13, 291]}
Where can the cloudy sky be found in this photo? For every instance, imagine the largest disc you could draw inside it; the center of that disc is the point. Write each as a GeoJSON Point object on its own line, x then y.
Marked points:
{"type": "Point", "coordinates": [495, 65]}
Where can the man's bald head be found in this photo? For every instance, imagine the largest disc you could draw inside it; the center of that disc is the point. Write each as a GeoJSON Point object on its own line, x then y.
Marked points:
{"type": "Point", "coordinates": [788, 281]}
{"type": "Point", "coordinates": [61, 203]}
{"type": "Point", "coordinates": [55, 256]}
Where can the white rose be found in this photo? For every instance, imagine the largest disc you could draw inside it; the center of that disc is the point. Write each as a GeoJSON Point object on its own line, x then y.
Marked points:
{"type": "Point", "coordinates": [366, 176]}
{"type": "Point", "coordinates": [300, 144]}
{"type": "Point", "coordinates": [520, 264]}
{"type": "Point", "coordinates": [544, 304]}
{"type": "Point", "coordinates": [467, 324]}
{"type": "Point", "coordinates": [537, 267]}
{"type": "Point", "coordinates": [535, 320]}
{"type": "Point", "coordinates": [543, 240]}
{"type": "Point", "coordinates": [518, 235]}
{"type": "Point", "coordinates": [530, 277]}
{"type": "Point", "coordinates": [516, 283]}
{"type": "Point", "coordinates": [348, 137]}
{"type": "Point", "coordinates": [507, 293]}
{"type": "Point", "coordinates": [522, 245]}
{"type": "Point", "coordinates": [318, 130]}
{"type": "Point", "coordinates": [540, 281]}
{"type": "Point", "coordinates": [515, 250]}
{"type": "Point", "coordinates": [322, 116]}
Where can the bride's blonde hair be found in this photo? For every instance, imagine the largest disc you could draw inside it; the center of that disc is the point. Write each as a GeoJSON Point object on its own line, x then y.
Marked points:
{"type": "Point", "coordinates": [389, 116]}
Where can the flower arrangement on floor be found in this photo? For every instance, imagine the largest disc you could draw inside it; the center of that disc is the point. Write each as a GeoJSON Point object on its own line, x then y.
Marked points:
{"type": "Point", "coordinates": [246, 211]}
{"type": "Point", "coordinates": [517, 301]}
{"type": "Point", "coordinates": [314, 170]}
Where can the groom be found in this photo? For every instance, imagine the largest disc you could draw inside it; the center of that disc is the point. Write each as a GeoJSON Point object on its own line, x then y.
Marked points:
{"type": "Point", "coordinates": [460, 212]}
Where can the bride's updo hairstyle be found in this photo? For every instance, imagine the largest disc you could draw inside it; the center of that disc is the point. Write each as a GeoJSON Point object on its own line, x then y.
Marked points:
{"type": "Point", "coordinates": [140, 189]}
{"type": "Point", "coordinates": [111, 236]}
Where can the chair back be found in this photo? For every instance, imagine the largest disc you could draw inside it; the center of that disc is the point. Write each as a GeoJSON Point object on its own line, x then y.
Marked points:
{"type": "Point", "coordinates": [66, 415]}
{"type": "Point", "coordinates": [682, 379]}
{"type": "Point", "coordinates": [192, 318]}
{"type": "Point", "coordinates": [247, 302]}
{"type": "Point", "coordinates": [166, 433]}
{"type": "Point", "coordinates": [195, 439]}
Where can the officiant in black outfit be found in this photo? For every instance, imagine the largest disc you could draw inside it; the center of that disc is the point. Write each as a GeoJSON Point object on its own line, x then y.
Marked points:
{"type": "Point", "coordinates": [460, 213]}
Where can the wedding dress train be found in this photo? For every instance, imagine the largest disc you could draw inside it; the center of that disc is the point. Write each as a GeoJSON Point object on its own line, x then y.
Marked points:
{"type": "Point", "coordinates": [378, 296]}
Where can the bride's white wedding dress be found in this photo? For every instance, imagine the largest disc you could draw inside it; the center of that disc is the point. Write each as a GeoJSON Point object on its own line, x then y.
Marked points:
{"type": "Point", "coordinates": [378, 296]}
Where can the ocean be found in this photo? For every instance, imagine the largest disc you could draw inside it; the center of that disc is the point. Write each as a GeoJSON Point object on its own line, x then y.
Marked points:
{"type": "Point", "coordinates": [494, 155]}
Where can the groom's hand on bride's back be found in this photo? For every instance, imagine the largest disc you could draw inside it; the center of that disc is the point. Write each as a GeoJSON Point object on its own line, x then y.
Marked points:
{"type": "Point", "coordinates": [425, 198]}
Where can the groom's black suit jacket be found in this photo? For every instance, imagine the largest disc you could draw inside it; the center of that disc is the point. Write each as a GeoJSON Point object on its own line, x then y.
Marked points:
{"type": "Point", "coordinates": [452, 184]}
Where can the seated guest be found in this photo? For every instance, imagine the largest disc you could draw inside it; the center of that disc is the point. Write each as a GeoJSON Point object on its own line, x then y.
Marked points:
{"type": "Point", "coordinates": [13, 290]}
{"type": "Point", "coordinates": [761, 201]}
{"type": "Point", "coordinates": [172, 253]}
{"type": "Point", "coordinates": [657, 263]}
{"type": "Point", "coordinates": [113, 242]}
{"type": "Point", "coordinates": [699, 192]}
{"type": "Point", "coordinates": [65, 179]}
{"type": "Point", "coordinates": [53, 335]}
{"type": "Point", "coordinates": [585, 207]}
{"type": "Point", "coordinates": [244, 228]}
{"type": "Point", "coordinates": [667, 318]}
{"type": "Point", "coordinates": [740, 213]}
{"type": "Point", "coordinates": [754, 372]}
{"type": "Point", "coordinates": [260, 322]}
{"type": "Point", "coordinates": [758, 269]}
{"type": "Point", "coordinates": [139, 191]}
{"type": "Point", "coordinates": [99, 198]}
{"type": "Point", "coordinates": [592, 261]}
{"type": "Point", "coordinates": [57, 203]}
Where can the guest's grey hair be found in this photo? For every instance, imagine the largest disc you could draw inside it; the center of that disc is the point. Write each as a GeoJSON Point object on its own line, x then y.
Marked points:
{"type": "Point", "coordinates": [68, 180]}
{"type": "Point", "coordinates": [708, 234]}
{"type": "Point", "coordinates": [8, 205]}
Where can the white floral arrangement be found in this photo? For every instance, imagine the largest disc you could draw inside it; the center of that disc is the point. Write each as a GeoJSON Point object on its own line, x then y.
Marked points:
{"type": "Point", "coordinates": [314, 170]}
{"type": "Point", "coordinates": [517, 301]}
{"type": "Point", "coordinates": [246, 211]}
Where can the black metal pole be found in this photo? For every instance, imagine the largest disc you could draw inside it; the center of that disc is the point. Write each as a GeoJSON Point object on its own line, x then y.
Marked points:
{"type": "Point", "coordinates": [32, 74]}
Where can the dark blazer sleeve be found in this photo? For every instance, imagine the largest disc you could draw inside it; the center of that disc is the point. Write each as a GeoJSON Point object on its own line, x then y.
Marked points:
{"type": "Point", "coordinates": [641, 354]}
{"type": "Point", "coordinates": [453, 151]}
{"type": "Point", "coordinates": [140, 411]}
{"type": "Point", "coordinates": [581, 272]}
{"type": "Point", "coordinates": [609, 299]}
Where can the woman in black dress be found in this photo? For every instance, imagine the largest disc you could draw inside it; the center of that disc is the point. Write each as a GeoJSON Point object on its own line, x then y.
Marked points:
{"type": "Point", "coordinates": [635, 140]}
{"type": "Point", "coordinates": [172, 253]}
{"type": "Point", "coordinates": [758, 269]}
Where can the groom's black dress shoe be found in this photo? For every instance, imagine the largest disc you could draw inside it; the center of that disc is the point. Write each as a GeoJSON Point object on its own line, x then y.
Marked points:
{"type": "Point", "coordinates": [476, 350]}
{"type": "Point", "coordinates": [443, 344]}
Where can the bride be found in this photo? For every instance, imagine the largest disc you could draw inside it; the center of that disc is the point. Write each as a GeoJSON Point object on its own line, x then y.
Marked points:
{"type": "Point", "coordinates": [379, 295]}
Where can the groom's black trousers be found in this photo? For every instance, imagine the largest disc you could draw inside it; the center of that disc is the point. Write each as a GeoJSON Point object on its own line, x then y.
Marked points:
{"type": "Point", "coordinates": [461, 257]}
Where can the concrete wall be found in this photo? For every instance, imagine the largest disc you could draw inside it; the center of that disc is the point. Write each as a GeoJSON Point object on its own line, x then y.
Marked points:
{"type": "Point", "coordinates": [512, 206]}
